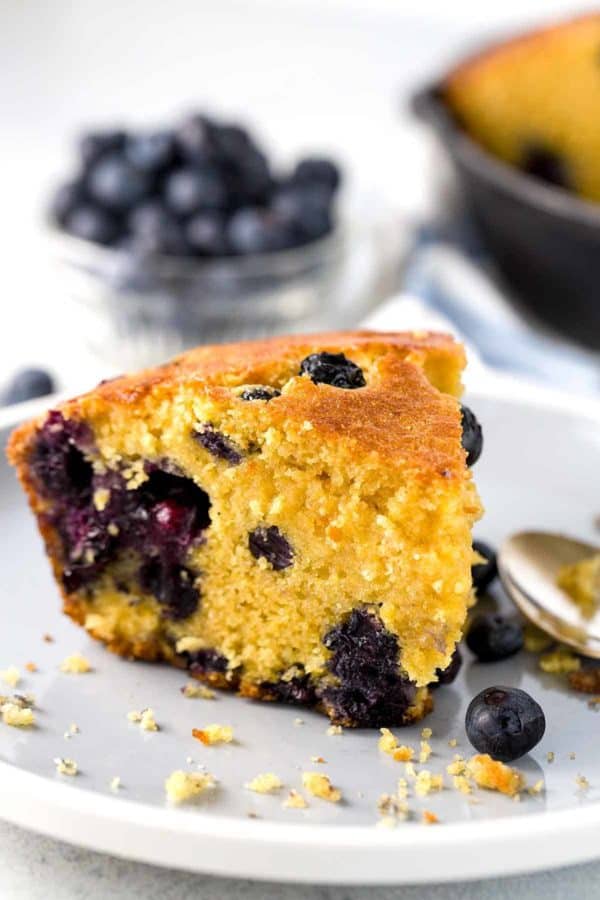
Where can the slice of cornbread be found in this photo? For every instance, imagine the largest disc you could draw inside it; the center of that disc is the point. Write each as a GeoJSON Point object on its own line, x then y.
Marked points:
{"type": "Point", "coordinates": [533, 102]}
{"type": "Point", "coordinates": [288, 518]}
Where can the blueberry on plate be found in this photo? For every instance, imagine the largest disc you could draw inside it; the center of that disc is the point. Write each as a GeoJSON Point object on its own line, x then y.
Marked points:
{"type": "Point", "coordinates": [256, 230]}
{"type": "Point", "coordinates": [505, 722]}
{"type": "Point", "coordinates": [472, 435]}
{"type": "Point", "coordinates": [189, 190]}
{"type": "Point", "coordinates": [93, 224]}
{"type": "Point", "coordinates": [97, 144]}
{"type": "Point", "coordinates": [65, 199]}
{"type": "Point", "coordinates": [333, 368]}
{"type": "Point", "coordinates": [206, 233]}
{"type": "Point", "coordinates": [448, 675]}
{"type": "Point", "coordinates": [116, 184]}
{"type": "Point", "coordinates": [25, 385]}
{"type": "Point", "coordinates": [317, 170]}
{"type": "Point", "coordinates": [492, 637]}
{"type": "Point", "coordinates": [150, 152]}
{"type": "Point", "coordinates": [483, 574]}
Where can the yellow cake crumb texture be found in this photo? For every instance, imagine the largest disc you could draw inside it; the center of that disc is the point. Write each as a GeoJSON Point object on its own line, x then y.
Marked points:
{"type": "Point", "coordinates": [213, 734]}
{"type": "Point", "coordinates": [182, 786]}
{"type": "Point", "coordinates": [266, 783]}
{"type": "Point", "coordinates": [194, 689]}
{"type": "Point", "coordinates": [320, 786]}
{"type": "Point", "coordinates": [66, 766]}
{"type": "Point", "coordinates": [11, 676]}
{"type": "Point", "coordinates": [295, 800]}
{"type": "Point", "coordinates": [75, 664]}
{"type": "Point", "coordinates": [17, 716]}
{"type": "Point", "coordinates": [144, 718]}
{"type": "Point", "coordinates": [494, 775]}
{"type": "Point", "coordinates": [560, 661]}
{"type": "Point", "coordinates": [581, 581]}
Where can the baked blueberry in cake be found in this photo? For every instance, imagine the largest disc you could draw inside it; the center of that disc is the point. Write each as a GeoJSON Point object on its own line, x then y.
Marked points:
{"type": "Point", "coordinates": [288, 518]}
{"type": "Point", "coordinates": [532, 101]}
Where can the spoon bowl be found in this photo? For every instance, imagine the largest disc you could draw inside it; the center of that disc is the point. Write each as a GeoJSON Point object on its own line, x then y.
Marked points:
{"type": "Point", "coordinates": [528, 564]}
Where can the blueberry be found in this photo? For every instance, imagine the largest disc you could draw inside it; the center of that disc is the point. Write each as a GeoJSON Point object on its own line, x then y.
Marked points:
{"type": "Point", "coordinates": [257, 230]}
{"type": "Point", "coordinates": [218, 444]}
{"type": "Point", "coordinates": [260, 393]}
{"type": "Point", "coordinates": [195, 139]}
{"type": "Point", "coordinates": [206, 233]}
{"type": "Point", "coordinates": [309, 207]}
{"type": "Point", "coordinates": [448, 675]}
{"type": "Point", "coordinates": [116, 184]}
{"type": "Point", "coordinates": [95, 145]}
{"type": "Point", "coordinates": [492, 637]}
{"type": "Point", "coordinates": [92, 224]}
{"type": "Point", "coordinates": [317, 170]}
{"type": "Point", "coordinates": [232, 141]}
{"type": "Point", "coordinates": [472, 435]}
{"type": "Point", "coordinates": [172, 585]}
{"type": "Point", "coordinates": [66, 198]}
{"type": "Point", "coordinates": [504, 722]}
{"type": "Point", "coordinates": [189, 190]}
{"type": "Point", "coordinates": [154, 230]}
{"type": "Point", "coordinates": [270, 544]}
{"type": "Point", "coordinates": [150, 152]}
{"type": "Point", "coordinates": [334, 369]}
{"type": "Point", "coordinates": [250, 178]}
{"type": "Point", "coordinates": [27, 384]}
{"type": "Point", "coordinates": [484, 573]}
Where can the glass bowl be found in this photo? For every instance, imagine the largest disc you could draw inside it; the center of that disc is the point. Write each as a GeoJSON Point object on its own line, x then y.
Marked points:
{"type": "Point", "coordinates": [136, 311]}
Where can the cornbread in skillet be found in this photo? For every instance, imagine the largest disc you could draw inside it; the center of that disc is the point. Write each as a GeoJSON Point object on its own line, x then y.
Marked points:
{"type": "Point", "coordinates": [533, 102]}
{"type": "Point", "coordinates": [289, 518]}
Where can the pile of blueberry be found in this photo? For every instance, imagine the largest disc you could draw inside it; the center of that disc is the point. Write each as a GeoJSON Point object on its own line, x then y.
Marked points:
{"type": "Point", "coordinates": [202, 189]}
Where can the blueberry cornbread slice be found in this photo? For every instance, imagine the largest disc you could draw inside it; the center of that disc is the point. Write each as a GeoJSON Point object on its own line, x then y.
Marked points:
{"type": "Point", "coordinates": [288, 518]}
{"type": "Point", "coordinates": [533, 102]}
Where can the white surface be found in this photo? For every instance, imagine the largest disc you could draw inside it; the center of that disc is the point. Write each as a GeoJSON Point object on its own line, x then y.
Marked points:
{"type": "Point", "coordinates": [560, 826]}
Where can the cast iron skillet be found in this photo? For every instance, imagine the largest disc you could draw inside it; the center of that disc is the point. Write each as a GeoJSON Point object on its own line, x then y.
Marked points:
{"type": "Point", "coordinates": [545, 240]}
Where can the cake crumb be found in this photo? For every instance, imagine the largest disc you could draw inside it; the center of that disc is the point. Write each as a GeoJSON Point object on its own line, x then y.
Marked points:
{"type": "Point", "coordinates": [76, 664]}
{"type": "Point", "coordinates": [10, 676]}
{"type": "Point", "coordinates": [115, 783]}
{"type": "Point", "coordinates": [537, 788]}
{"type": "Point", "coordinates": [582, 782]}
{"type": "Point", "coordinates": [181, 786]}
{"type": "Point", "coordinates": [65, 766]}
{"type": "Point", "coordinates": [593, 702]}
{"type": "Point", "coordinates": [334, 729]}
{"type": "Point", "coordinates": [586, 681]}
{"type": "Point", "coordinates": [461, 783]}
{"type": "Point", "coordinates": [457, 766]}
{"type": "Point", "coordinates": [298, 721]}
{"type": "Point", "coordinates": [402, 788]}
{"type": "Point", "coordinates": [535, 640]}
{"type": "Point", "coordinates": [426, 782]}
{"type": "Point", "coordinates": [48, 638]}
{"type": "Point", "coordinates": [426, 733]}
{"type": "Point", "coordinates": [100, 498]}
{"type": "Point", "coordinates": [453, 742]}
{"type": "Point", "coordinates": [320, 786]}
{"type": "Point", "coordinates": [494, 775]}
{"type": "Point", "coordinates": [550, 756]}
{"type": "Point", "coordinates": [561, 661]}
{"type": "Point", "coordinates": [17, 716]}
{"type": "Point", "coordinates": [429, 818]}
{"type": "Point", "coordinates": [194, 689]}
{"type": "Point", "coordinates": [144, 718]}
{"type": "Point", "coordinates": [317, 759]}
{"type": "Point", "coordinates": [392, 806]}
{"type": "Point", "coordinates": [266, 783]}
{"type": "Point", "coordinates": [213, 734]}
{"type": "Point", "coordinates": [425, 752]}
{"type": "Point", "coordinates": [295, 800]}
{"type": "Point", "coordinates": [31, 667]}
{"type": "Point", "coordinates": [572, 755]}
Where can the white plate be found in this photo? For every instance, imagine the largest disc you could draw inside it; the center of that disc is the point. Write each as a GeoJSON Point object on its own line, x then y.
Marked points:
{"type": "Point", "coordinates": [539, 469]}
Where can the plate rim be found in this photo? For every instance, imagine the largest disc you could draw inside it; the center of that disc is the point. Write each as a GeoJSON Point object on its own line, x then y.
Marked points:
{"type": "Point", "coordinates": [297, 852]}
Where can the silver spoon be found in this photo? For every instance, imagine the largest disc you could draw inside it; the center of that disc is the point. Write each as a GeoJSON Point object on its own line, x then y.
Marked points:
{"type": "Point", "coordinates": [528, 563]}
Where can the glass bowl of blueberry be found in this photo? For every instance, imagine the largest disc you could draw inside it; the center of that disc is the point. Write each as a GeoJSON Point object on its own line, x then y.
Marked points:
{"type": "Point", "coordinates": [187, 235]}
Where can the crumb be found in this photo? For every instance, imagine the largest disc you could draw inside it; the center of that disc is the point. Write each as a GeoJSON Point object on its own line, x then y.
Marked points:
{"type": "Point", "coordinates": [334, 729]}
{"type": "Point", "coordinates": [17, 716]}
{"type": "Point", "coordinates": [426, 782]}
{"type": "Point", "coordinates": [317, 759]}
{"type": "Point", "coordinates": [410, 770]}
{"type": "Point", "coordinates": [213, 734]}
{"type": "Point", "coordinates": [537, 788]}
{"type": "Point", "coordinates": [144, 718]}
{"type": "Point", "coordinates": [31, 667]}
{"type": "Point", "coordinates": [266, 783]}
{"type": "Point", "coordinates": [462, 784]}
{"type": "Point", "coordinates": [582, 783]}
{"type": "Point", "coordinates": [550, 756]}
{"type": "Point", "coordinates": [561, 661]}
{"type": "Point", "coordinates": [426, 733]}
{"type": "Point", "coordinates": [298, 721]}
{"type": "Point", "coordinates": [572, 754]}
{"type": "Point", "coordinates": [402, 788]}
{"type": "Point", "coordinates": [11, 676]}
{"type": "Point", "coordinates": [403, 753]}
{"type": "Point", "coordinates": [295, 800]}
{"type": "Point", "coordinates": [453, 742]}
{"type": "Point", "coordinates": [390, 806]}
{"type": "Point", "coordinates": [115, 783]}
{"type": "Point", "coordinates": [194, 689]}
{"type": "Point", "coordinates": [429, 818]}
{"type": "Point", "coordinates": [457, 766]}
{"type": "Point", "coordinates": [494, 775]}
{"type": "Point", "coordinates": [48, 638]}
{"type": "Point", "coordinates": [76, 664]}
{"type": "Point", "coordinates": [252, 815]}
{"type": "Point", "coordinates": [320, 786]}
{"type": "Point", "coordinates": [593, 702]}
{"type": "Point", "coordinates": [587, 681]}
{"type": "Point", "coordinates": [425, 752]}
{"type": "Point", "coordinates": [100, 498]}
{"type": "Point", "coordinates": [65, 766]}
{"type": "Point", "coordinates": [535, 640]}
{"type": "Point", "coordinates": [387, 742]}
{"type": "Point", "coordinates": [181, 786]}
